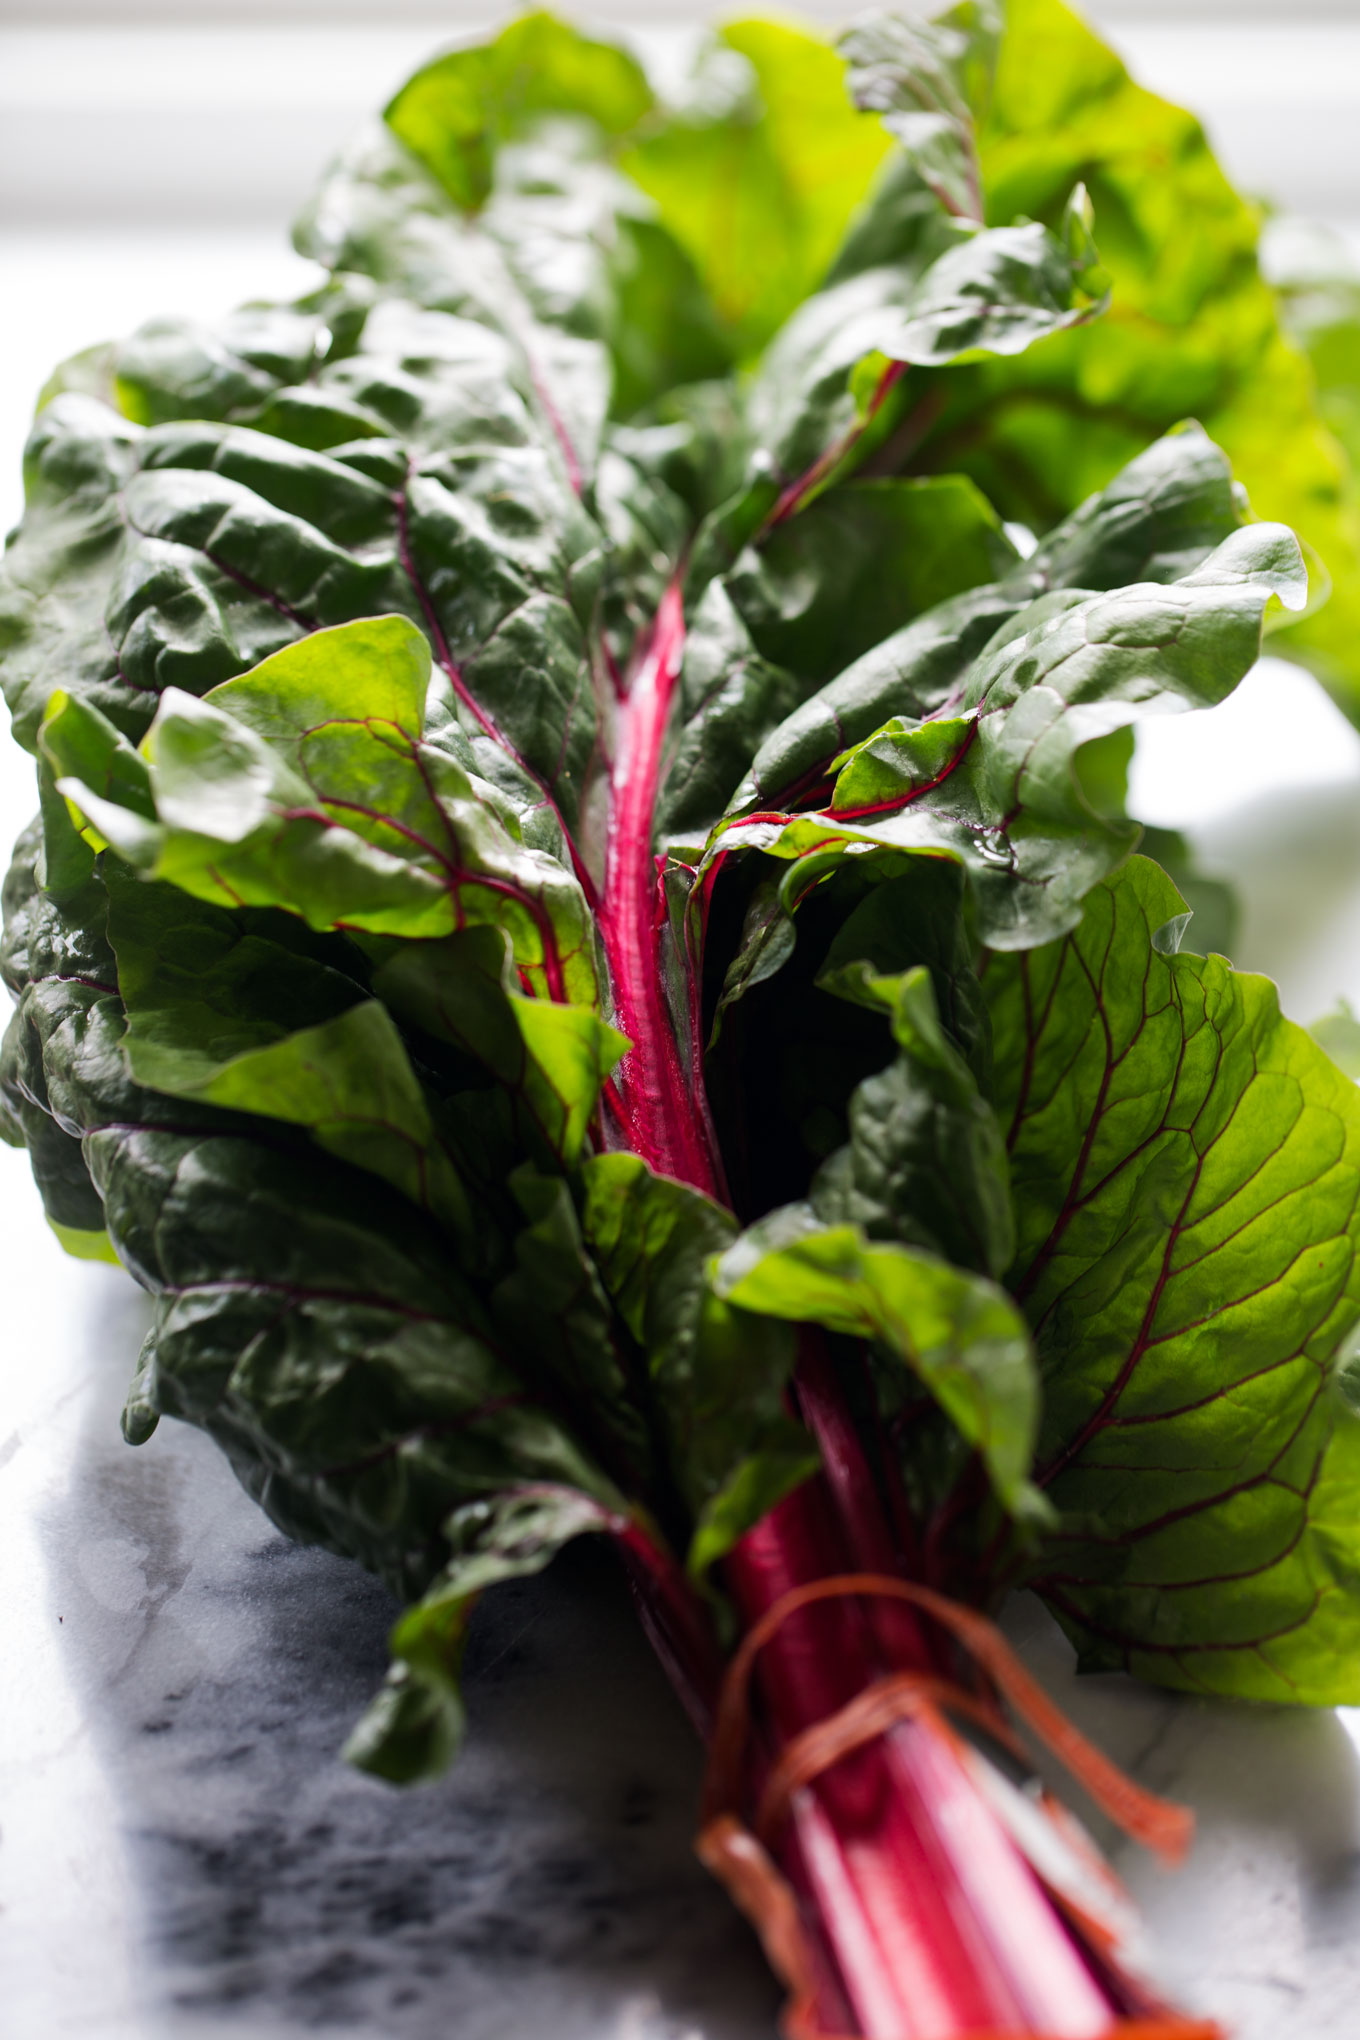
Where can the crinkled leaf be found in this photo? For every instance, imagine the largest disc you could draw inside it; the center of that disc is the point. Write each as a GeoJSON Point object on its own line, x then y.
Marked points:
{"type": "Point", "coordinates": [203, 986]}
{"type": "Point", "coordinates": [306, 1314]}
{"type": "Point", "coordinates": [46, 944]}
{"type": "Point", "coordinates": [58, 567]}
{"type": "Point", "coordinates": [213, 1011]}
{"type": "Point", "coordinates": [488, 192]}
{"type": "Point", "coordinates": [307, 784]}
{"type": "Point", "coordinates": [183, 554]}
{"type": "Point", "coordinates": [550, 1059]}
{"type": "Point", "coordinates": [1186, 1169]}
{"type": "Point", "coordinates": [1157, 520]}
{"type": "Point", "coordinates": [993, 782]}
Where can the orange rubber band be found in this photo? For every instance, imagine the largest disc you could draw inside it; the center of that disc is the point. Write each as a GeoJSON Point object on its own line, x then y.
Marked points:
{"type": "Point", "coordinates": [901, 1696]}
{"type": "Point", "coordinates": [1156, 1823]}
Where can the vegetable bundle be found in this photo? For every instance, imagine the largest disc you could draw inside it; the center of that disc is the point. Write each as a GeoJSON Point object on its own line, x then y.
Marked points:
{"type": "Point", "coordinates": [582, 939]}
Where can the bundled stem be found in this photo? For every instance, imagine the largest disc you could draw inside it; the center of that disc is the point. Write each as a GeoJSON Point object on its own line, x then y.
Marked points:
{"type": "Point", "coordinates": [917, 1916]}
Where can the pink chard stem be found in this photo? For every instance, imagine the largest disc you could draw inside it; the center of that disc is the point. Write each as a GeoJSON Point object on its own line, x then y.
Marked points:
{"type": "Point", "coordinates": [665, 1122]}
{"type": "Point", "coordinates": [924, 1920]}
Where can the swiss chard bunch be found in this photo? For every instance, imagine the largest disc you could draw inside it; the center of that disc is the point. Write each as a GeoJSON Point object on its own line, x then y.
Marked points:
{"type": "Point", "coordinates": [582, 939]}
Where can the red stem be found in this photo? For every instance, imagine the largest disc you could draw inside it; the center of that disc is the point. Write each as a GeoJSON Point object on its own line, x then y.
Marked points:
{"type": "Point", "coordinates": [796, 494]}
{"type": "Point", "coordinates": [666, 1123]}
{"type": "Point", "coordinates": [937, 1925]}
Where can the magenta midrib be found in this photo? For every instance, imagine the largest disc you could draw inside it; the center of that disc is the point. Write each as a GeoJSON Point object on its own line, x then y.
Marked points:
{"type": "Point", "coordinates": [457, 875]}
{"type": "Point", "coordinates": [792, 499]}
{"type": "Point", "coordinates": [666, 1122]}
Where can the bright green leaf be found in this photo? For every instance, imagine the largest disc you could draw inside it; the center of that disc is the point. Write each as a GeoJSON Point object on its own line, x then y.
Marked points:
{"type": "Point", "coordinates": [1186, 1170]}
{"type": "Point", "coordinates": [954, 1332]}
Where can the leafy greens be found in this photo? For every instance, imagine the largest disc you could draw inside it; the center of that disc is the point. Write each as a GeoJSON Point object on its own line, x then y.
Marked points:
{"type": "Point", "coordinates": [581, 866]}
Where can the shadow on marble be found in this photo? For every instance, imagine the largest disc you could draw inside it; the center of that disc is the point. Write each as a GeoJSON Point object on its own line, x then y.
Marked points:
{"type": "Point", "coordinates": [547, 1885]}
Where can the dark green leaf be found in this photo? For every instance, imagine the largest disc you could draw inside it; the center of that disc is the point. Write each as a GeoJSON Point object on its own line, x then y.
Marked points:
{"type": "Point", "coordinates": [925, 1162]}
{"type": "Point", "coordinates": [859, 563]}
{"type": "Point", "coordinates": [551, 1059]}
{"type": "Point", "coordinates": [717, 1373]}
{"type": "Point", "coordinates": [307, 784]}
{"type": "Point", "coordinates": [1155, 521]}
{"type": "Point", "coordinates": [993, 782]}
{"type": "Point", "coordinates": [413, 1728]}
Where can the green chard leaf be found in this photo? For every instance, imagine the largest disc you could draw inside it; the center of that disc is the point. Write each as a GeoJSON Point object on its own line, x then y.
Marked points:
{"type": "Point", "coordinates": [956, 1334]}
{"type": "Point", "coordinates": [412, 1729]}
{"type": "Point", "coordinates": [309, 784]}
{"type": "Point", "coordinates": [1186, 1168]}
{"type": "Point", "coordinates": [305, 1313]}
{"type": "Point", "coordinates": [717, 1373]}
{"type": "Point", "coordinates": [208, 1017]}
{"type": "Point", "coordinates": [1157, 520]}
{"type": "Point", "coordinates": [47, 945]}
{"type": "Point", "coordinates": [925, 1161]}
